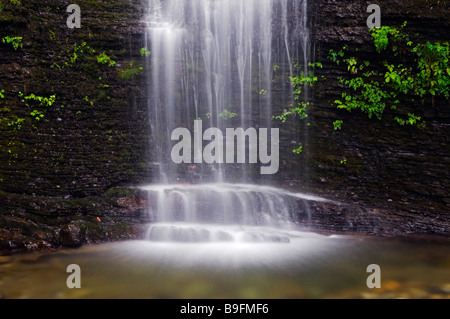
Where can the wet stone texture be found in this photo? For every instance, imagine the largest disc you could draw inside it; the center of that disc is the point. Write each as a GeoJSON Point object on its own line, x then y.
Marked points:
{"type": "Point", "coordinates": [400, 174]}
{"type": "Point", "coordinates": [62, 178]}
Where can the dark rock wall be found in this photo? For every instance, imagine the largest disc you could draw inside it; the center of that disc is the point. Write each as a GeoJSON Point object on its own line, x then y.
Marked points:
{"type": "Point", "coordinates": [60, 184]}
{"type": "Point", "coordinates": [385, 165]}
{"type": "Point", "coordinates": [55, 173]}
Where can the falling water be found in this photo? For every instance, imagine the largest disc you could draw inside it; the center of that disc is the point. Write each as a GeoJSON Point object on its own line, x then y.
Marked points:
{"type": "Point", "coordinates": [215, 60]}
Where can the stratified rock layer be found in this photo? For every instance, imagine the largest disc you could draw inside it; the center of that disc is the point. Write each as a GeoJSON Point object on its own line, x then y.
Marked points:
{"type": "Point", "coordinates": [62, 181]}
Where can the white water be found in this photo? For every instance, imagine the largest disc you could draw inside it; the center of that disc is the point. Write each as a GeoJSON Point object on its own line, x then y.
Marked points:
{"type": "Point", "coordinates": [209, 57]}
{"type": "Point", "coordinates": [224, 212]}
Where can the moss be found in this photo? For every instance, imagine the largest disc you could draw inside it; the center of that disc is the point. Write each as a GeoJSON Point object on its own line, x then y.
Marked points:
{"type": "Point", "coordinates": [118, 192]}
{"type": "Point", "coordinates": [90, 223]}
{"type": "Point", "coordinates": [131, 70]}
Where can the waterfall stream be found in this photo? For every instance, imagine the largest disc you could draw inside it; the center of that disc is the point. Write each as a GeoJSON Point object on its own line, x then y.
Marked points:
{"type": "Point", "coordinates": [214, 61]}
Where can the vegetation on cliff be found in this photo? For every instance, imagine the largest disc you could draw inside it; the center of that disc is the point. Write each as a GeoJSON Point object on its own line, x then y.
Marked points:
{"type": "Point", "coordinates": [401, 72]}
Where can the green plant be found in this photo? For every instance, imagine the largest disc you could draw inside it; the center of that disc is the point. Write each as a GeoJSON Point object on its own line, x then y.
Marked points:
{"type": "Point", "coordinates": [299, 110]}
{"type": "Point", "coordinates": [52, 34]}
{"type": "Point", "coordinates": [335, 56]}
{"type": "Point", "coordinates": [298, 83]}
{"type": "Point", "coordinates": [42, 102]}
{"type": "Point", "coordinates": [379, 87]}
{"type": "Point", "coordinates": [411, 120]}
{"type": "Point", "coordinates": [15, 41]}
{"type": "Point", "coordinates": [386, 35]}
{"type": "Point", "coordinates": [433, 75]}
{"type": "Point", "coordinates": [78, 50]}
{"type": "Point", "coordinates": [17, 3]}
{"type": "Point", "coordinates": [337, 125]}
{"type": "Point", "coordinates": [315, 65]}
{"type": "Point", "coordinates": [298, 150]}
{"type": "Point", "coordinates": [145, 52]}
{"type": "Point", "coordinates": [130, 70]}
{"type": "Point", "coordinates": [105, 59]}
{"type": "Point", "coordinates": [16, 123]}
{"type": "Point", "coordinates": [86, 98]}
{"type": "Point", "coordinates": [370, 97]}
{"type": "Point", "coordinates": [226, 115]}
{"type": "Point", "coordinates": [37, 115]}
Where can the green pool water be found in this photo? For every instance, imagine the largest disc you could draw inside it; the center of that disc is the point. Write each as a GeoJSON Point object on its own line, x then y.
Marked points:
{"type": "Point", "coordinates": [308, 266]}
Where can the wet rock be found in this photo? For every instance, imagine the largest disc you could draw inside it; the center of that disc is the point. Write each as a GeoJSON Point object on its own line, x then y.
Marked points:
{"type": "Point", "coordinates": [131, 202]}
{"type": "Point", "coordinates": [71, 236]}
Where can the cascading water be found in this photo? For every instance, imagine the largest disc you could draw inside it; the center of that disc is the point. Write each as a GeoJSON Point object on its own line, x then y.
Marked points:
{"type": "Point", "coordinates": [214, 60]}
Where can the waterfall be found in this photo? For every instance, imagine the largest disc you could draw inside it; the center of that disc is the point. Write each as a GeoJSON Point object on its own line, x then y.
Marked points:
{"type": "Point", "coordinates": [214, 61]}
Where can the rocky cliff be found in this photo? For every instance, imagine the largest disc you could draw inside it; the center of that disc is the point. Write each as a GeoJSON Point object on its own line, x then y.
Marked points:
{"type": "Point", "coordinates": [63, 177]}
{"type": "Point", "coordinates": [373, 162]}
{"type": "Point", "coordinates": [56, 172]}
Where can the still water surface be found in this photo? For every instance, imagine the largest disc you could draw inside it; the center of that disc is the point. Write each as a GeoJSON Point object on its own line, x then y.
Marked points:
{"type": "Point", "coordinates": [308, 266]}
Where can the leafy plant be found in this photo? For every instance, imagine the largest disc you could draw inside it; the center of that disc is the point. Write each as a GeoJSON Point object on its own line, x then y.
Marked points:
{"type": "Point", "coordinates": [42, 101]}
{"type": "Point", "coordinates": [411, 120]}
{"type": "Point", "coordinates": [381, 86]}
{"type": "Point", "coordinates": [337, 125]}
{"type": "Point", "coordinates": [299, 110]}
{"type": "Point", "coordinates": [37, 115]}
{"type": "Point", "coordinates": [105, 59]}
{"type": "Point", "coordinates": [335, 56]}
{"type": "Point", "coordinates": [17, 3]}
{"type": "Point", "coordinates": [15, 41]}
{"type": "Point", "coordinates": [145, 52]}
{"type": "Point", "coordinates": [386, 35]}
{"type": "Point", "coordinates": [298, 83]}
{"type": "Point", "coordinates": [298, 150]}
{"type": "Point", "coordinates": [79, 50]}
{"type": "Point", "coordinates": [130, 70]}
{"type": "Point", "coordinates": [86, 98]}
{"type": "Point", "coordinates": [226, 115]}
{"type": "Point", "coordinates": [17, 123]}
{"type": "Point", "coordinates": [315, 64]}
{"type": "Point", "coordinates": [433, 75]}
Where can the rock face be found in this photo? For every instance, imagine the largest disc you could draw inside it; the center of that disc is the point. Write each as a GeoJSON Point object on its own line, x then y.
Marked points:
{"type": "Point", "coordinates": [63, 173]}
{"type": "Point", "coordinates": [70, 236]}
{"type": "Point", "coordinates": [57, 171]}
{"type": "Point", "coordinates": [370, 162]}
{"type": "Point", "coordinates": [386, 165]}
